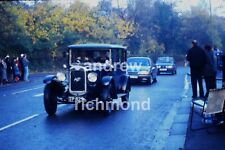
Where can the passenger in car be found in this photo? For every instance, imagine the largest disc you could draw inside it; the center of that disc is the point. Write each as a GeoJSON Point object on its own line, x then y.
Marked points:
{"type": "Point", "coordinates": [102, 58]}
{"type": "Point", "coordinates": [83, 57]}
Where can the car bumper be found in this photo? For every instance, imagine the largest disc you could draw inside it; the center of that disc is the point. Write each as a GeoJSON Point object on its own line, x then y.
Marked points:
{"type": "Point", "coordinates": [166, 70]}
{"type": "Point", "coordinates": [140, 78]}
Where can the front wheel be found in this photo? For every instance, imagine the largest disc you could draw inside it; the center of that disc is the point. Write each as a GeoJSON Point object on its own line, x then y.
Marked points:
{"type": "Point", "coordinates": [149, 81]}
{"type": "Point", "coordinates": [107, 100]}
{"type": "Point", "coordinates": [107, 108]}
{"type": "Point", "coordinates": [125, 98]}
{"type": "Point", "coordinates": [50, 100]}
{"type": "Point", "coordinates": [174, 72]}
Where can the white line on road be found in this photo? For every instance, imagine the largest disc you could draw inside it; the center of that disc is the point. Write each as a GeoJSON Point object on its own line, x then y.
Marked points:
{"type": "Point", "coordinates": [27, 90]}
{"type": "Point", "coordinates": [38, 95]}
{"type": "Point", "coordinates": [18, 122]}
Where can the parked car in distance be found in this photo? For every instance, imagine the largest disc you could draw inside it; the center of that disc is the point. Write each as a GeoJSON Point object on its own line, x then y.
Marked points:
{"type": "Point", "coordinates": [90, 76]}
{"type": "Point", "coordinates": [166, 65]}
{"type": "Point", "coordinates": [142, 69]}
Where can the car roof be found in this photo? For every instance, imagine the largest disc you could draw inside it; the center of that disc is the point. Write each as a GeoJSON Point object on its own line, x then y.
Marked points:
{"type": "Point", "coordinates": [166, 57]}
{"type": "Point", "coordinates": [140, 58]}
{"type": "Point", "coordinates": [97, 46]}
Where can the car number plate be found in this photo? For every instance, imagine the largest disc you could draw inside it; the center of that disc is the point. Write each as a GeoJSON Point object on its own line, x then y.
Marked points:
{"type": "Point", "coordinates": [79, 99]}
{"type": "Point", "coordinates": [76, 99]}
{"type": "Point", "coordinates": [133, 77]}
{"type": "Point", "coordinates": [163, 69]}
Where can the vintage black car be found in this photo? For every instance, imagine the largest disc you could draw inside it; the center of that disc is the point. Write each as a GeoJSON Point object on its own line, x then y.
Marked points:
{"type": "Point", "coordinates": [166, 65]}
{"type": "Point", "coordinates": [142, 69]}
{"type": "Point", "coordinates": [94, 71]}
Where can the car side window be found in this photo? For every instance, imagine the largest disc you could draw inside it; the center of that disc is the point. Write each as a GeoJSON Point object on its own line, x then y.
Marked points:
{"type": "Point", "coordinates": [115, 55]}
{"type": "Point", "coordinates": [124, 55]}
{"type": "Point", "coordinates": [119, 55]}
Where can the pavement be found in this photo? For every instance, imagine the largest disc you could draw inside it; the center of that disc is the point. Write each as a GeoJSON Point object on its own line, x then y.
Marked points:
{"type": "Point", "coordinates": [24, 123]}
{"type": "Point", "coordinates": [175, 132]}
{"type": "Point", "coordinates": [210, 139]}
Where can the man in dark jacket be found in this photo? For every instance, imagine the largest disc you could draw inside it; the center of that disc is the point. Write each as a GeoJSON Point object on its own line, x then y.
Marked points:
{"type": "Point", "coordinates": [223, 70]}
{"type": "Point", "coordinates": [21, 67]}
{"type": "Point", "coordinates": [1, 71]}
{"type": "Point", "coordinates": [9, 69]}
{"type": "Point", "coordinates": [197, 60]}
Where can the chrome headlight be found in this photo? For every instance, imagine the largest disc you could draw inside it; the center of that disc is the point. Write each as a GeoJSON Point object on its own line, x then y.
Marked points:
{"type": "Point", "coordinates": [143, 72]}
{"type": "Point", "coordinates": [92, 77]}
{"type": "Point", "coordinates": [61, 76]}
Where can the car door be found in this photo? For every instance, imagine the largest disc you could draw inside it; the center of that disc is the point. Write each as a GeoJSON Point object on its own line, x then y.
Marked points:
{"type": "Point", "coordinates": [119, 62]}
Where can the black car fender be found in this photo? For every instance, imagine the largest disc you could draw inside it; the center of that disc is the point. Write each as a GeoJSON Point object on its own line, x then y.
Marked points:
{"type": "Point", "coordinates": [124, 84]}
{"type": "Point", "coordinates": [48, 79]}
{"type": "Point", "coordinates": [54, 85]}
{"type": "Point", "coordinates": [108, 81]}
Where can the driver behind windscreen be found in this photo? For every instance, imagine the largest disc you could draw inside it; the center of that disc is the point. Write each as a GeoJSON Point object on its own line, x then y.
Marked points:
{"type": "Point", "coordinates": [83, 57]}
{"type": "Point", "coordinates": [103, 58]}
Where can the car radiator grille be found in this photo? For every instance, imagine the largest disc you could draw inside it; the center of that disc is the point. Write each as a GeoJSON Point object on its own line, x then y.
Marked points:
{"type": "Point", "coordinates": [77, 80]}
{"type": "Point", "coordinates": [132, 73]}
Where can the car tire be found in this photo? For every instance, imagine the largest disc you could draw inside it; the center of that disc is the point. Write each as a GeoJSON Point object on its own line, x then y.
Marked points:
{"type": "Point", "coordinates": [50, 100]}
{"type": "Point", "coordinates": [125, 99]}
{"type": "Point", "coordinates": [107, 101]}
{"type": "Point", "coordinates": [107, 110]}
{"type": "Point", "coordinates": [174, 72]}
{"type": "Point", "coordinates": [149, 81]}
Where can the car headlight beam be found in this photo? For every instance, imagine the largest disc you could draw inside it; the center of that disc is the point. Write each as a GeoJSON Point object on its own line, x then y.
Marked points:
{"type": "Point", "coordinates": [92, 77]}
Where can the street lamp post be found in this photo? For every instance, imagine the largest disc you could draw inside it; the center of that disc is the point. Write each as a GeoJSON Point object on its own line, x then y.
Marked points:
{"type": "Point", "coordinates": [211, 22]}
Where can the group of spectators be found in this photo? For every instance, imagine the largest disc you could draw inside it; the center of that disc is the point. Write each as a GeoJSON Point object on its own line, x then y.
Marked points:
{"type": "Point", "coordinates": [203, 65]}
{"type": "Point", "coordinates": [14, 69]}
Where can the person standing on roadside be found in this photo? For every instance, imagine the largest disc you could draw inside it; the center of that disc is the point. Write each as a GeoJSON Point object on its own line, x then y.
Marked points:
{"type": "Point", "coordinates": [16, 71]}
{"type": "Point", "coordinates": [197, 60]}
{"type": "Point", "coordinates": [25, 62]}
{"type": "Point", "coordinates": [9, 69]}
{"type": "Point", "coordinates": [3, 68]}
{"type": "Point", "coordinates": [210, 69]}
{"type": "Point", "coordinates": [223, 69]}
{"type": "Point", "coordinates": [21, 67]}
{"type": "Point", "coordinates": [1, 71]}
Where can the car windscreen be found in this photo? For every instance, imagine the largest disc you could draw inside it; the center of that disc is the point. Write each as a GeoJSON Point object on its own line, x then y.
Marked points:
{"type": "Point", "coordinates": [138, 61]}
{"type": "Point", "coordinates": [88, 55]}
{"type": "Point", "coordinates": [164, 60]}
